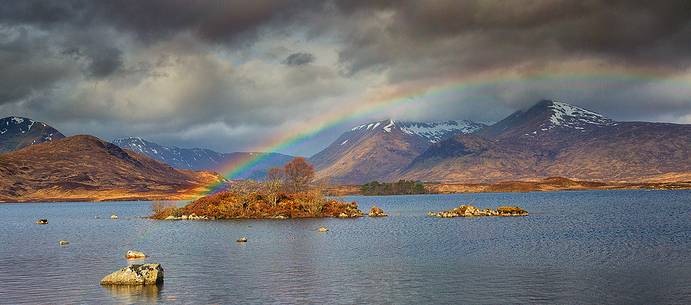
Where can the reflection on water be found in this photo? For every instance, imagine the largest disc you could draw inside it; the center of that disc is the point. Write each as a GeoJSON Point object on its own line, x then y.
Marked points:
{"type": "Point", "coordinates": [135, 294]}
{"type": "Point", "coordinates": [575, 247]}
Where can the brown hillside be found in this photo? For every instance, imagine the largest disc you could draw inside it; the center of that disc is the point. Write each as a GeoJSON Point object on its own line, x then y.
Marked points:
{"type": "Point", "coordinates": [86, 168]}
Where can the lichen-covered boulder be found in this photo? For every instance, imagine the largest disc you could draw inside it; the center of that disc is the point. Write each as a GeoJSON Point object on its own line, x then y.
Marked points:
{"type": "Point", "coordinates": [376, 212]}
{"type": "Point", "coordinates": [146, 274]}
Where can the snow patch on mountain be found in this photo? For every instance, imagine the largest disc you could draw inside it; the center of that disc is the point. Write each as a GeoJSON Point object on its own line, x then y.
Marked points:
{"type": "Point", "coordinates": [567, 115]}
{"type": "Point", "coordinates": [431, 131]}
{"type": "Point", "coordinates": [437, 131]}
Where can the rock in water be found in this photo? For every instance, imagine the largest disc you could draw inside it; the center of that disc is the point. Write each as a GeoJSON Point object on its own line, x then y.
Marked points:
{"type": "Point", "coordinates": [42, 221]}
{"type": "Point", "coordinates": [113, 216]}
{"type": "Point", "coordinates": [376, 212]}
{"type": "Point", "coordinates": [323, 229]}
{"type": "Point", "coordinates": [242, 240]}
{"type": "Point", "coordinates": [135, 254]}
{"type": "Point", "coordinates": [511, 211]}
{"type": "Point", "coordinates": [146, 274]}
{"type": "Point", "coordinates": [63, 242]}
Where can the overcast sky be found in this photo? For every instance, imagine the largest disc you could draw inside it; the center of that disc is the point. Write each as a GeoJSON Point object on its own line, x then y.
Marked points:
{"type": "Point", "coordinates": [228, 75]}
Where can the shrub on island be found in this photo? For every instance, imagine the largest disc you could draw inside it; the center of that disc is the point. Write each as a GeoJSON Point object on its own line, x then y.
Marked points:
{"type": "Point", "coordinates": [233, 205]}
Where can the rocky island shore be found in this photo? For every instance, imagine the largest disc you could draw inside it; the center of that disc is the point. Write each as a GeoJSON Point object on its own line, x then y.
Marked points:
{"type": "Point", "coordinates": [471, 211]}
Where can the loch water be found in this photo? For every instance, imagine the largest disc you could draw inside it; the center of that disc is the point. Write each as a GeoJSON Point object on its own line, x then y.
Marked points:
{"type": "Point", "coordinates": [576, 247]}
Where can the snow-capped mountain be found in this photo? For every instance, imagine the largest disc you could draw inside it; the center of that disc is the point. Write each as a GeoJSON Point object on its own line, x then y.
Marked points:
{"type": "Point", "coordinates": [546, 118]}
{"type": "Point", "coordinates": [18, 132]}
{"type": "Point", "coordinates": [552, 139]}
{"type": "Point", "coordinates": [200, 158]}
{"type": "Point", "coordinates": [378, 149]}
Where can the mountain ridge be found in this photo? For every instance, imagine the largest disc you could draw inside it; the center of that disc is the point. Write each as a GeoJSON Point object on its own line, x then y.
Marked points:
{"type": "Point", "coordinates": [378, 150]}
{"type": "Point", "coordinates": [203, 159]}
{"type": "Point", "coordinates": [19, 132]}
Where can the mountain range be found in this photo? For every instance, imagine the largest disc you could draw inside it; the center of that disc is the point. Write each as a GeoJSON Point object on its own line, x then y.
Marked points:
{"type": "Point", "coordinates": [549, 139]}
{"type": "Point", "coordinates": [204, 159]}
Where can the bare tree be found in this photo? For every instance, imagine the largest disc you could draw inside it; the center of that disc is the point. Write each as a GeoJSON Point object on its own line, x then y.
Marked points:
{"type": "Point", "coordinates": [273, 184]}
{"type": "Point", "coordinates": [298, 175]}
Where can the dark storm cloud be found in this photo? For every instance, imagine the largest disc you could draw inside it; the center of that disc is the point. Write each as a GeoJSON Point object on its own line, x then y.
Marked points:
{"type": "Point", "coordinates": [218, 21]}
{"type": "Point", "coordinates": [477, 35]}
{"type": "Point", "coordinates": [28, 65]}
{"type": "Point", "coordinates": [298, 59]}
{"type": "Point", "coordinates": [171, 67]}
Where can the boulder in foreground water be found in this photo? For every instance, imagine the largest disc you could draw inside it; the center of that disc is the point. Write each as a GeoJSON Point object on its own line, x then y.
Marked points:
{"type": "Point", "coordinates": [146, 274]}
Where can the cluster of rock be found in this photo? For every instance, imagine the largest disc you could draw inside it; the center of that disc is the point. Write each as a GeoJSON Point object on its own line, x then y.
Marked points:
{"type": "Point", "coordinates": [146, 274]}
{"type": "Point", "coordinates": [187, 217]}
{"type": "Point", "coordinates": [376, 212]}
{"type": "Point", "coordinates": [351, 213]}
{"type": "Point", "coordinates": [471, 211]}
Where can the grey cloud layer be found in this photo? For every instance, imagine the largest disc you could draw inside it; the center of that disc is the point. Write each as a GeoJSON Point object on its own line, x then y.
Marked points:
{"type": "Point", "coordinates": [176, 70]}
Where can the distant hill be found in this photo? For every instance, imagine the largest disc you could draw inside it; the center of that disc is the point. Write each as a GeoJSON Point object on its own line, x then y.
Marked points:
{"type": "Point", "coordinates": [203, 159]}
{"type": "Point", "coordinates": [87, 168]}
{"type": "Point", "coordinates": [17, 133]}
{"type": "Point", "coordinates": [379, 150]}
{"type": "Point", "coordinates": [557, 139]}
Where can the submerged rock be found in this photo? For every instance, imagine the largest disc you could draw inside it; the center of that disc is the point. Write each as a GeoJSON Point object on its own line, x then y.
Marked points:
{"type": "Point", "coordinates": [471, 211]}
{"type": "Point", "coordinates": [146, 274]}
{"type": "Point", "coordinates": [42, 221]}
{"type": "Point", "coordinates": [135, 254]}
{"type": "Point", "coordinates": [242, 240]}
{"type": "Point", "coordinates": [376, 212]}
{"type": "Point", "coordinates": [63, 242]}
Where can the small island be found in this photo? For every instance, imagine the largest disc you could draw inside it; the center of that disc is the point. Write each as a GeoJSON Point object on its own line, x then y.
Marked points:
{"type": "Point", "coordinates": [471, 211]}
{"type": "Point", "coordinates": [285, 193]}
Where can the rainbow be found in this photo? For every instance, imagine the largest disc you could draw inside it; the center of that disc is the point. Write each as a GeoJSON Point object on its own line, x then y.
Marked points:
{"type": "Point", "coordinates": [410, 93]}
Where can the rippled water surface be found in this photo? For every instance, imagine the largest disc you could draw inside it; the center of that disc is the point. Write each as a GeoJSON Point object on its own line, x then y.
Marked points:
{"type": "Point", "coordinates": [575, 247]}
